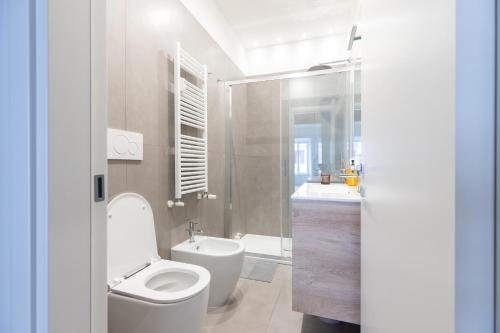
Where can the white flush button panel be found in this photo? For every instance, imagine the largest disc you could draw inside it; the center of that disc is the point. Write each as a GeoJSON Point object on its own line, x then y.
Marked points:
{"type": "Point", "coordinates": [124, 145]}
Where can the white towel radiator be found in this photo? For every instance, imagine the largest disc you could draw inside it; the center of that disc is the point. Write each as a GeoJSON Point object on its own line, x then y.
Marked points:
{"type": "Point", "coordinates": [191, 111]}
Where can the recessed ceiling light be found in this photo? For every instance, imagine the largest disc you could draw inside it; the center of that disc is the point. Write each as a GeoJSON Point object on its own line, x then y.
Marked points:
{"type": "Point", "coordinates": [303, 35]}
{"type": "Point", "coordinates": [330, 30]}
{"type": "Point", "coordinates": [278, 40]}
{"type": "Point", "coordinates": [159, 18]}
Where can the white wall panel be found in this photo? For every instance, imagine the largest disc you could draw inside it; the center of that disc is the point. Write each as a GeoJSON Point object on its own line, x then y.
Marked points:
{"type": "Point", "coordinates": [408, 129]}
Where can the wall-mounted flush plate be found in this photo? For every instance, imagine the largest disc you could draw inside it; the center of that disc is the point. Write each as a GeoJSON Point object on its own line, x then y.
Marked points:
{"type": "Point", "coordinates": [124, 145]}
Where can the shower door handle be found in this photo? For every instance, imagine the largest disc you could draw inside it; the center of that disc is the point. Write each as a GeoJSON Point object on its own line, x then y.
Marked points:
{"type": "Point", "coordinates": [285, 168]}
{"type": "Point", "coordinates": [362, 191]}
{"type": "Point", "coordinates": [362, 188]}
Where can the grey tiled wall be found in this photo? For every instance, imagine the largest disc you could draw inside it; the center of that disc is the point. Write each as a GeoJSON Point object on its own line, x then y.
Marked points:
{"type": "Point", "coordinates": [141, 43]}
{"type": "Point", "coordinates": [256, 160]}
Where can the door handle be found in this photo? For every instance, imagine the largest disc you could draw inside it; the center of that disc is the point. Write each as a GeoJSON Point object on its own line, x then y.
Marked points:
{"type": "Point", "coordinates": [99, 188]}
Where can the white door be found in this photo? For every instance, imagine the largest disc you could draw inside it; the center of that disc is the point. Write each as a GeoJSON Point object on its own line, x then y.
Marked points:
{"type": "Point", "coordinates": [408, 152]}
{"type": "Point", "coordinates": [99, 121]}
{"type": "Point", "coordinates": [428, 131]}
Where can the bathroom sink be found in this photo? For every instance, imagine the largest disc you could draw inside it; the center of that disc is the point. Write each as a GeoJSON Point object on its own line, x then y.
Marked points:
{"type": "Point", "coordinates": [222, 257]}
{"type": "Point", "coordinates": [331, 192]}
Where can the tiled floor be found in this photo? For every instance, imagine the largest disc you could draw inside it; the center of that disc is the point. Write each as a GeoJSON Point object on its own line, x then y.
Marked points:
{"type": "Point", "coordinates": [260, 307]}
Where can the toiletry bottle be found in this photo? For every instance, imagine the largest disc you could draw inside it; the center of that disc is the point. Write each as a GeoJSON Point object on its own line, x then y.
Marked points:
{"type": "Point", "coordinates": [325, 178]}
{"type": "Point", "coordinates": [353, 179]}
{"type": "Point", "coordinates": [347, 171]}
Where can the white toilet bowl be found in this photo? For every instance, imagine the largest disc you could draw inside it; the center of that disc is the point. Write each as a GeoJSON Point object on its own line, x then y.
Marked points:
{"type": "Point", "coordinates": [148, 294]}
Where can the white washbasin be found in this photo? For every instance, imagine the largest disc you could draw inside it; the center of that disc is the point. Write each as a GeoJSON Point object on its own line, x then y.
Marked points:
{"type": "Point", "coordinates": [222, 257]}
{"type": "Point", "coordinates": [331, 192]}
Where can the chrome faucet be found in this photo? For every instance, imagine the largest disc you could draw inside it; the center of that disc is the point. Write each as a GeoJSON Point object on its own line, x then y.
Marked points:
{"type": "Point", "coordinates": [192, 232]}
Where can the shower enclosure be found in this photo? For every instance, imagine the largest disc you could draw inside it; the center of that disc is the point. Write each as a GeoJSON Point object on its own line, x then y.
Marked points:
{"type": "Point", "coordinates": [282, 132]}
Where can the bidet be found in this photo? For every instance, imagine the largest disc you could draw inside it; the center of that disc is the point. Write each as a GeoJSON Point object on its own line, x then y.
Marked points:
{"type": "Point", "coordinates": [222, 257]}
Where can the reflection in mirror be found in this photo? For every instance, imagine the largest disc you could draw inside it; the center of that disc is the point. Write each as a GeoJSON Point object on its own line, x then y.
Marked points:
{"type": "Point", "coordinates": [324, 115]}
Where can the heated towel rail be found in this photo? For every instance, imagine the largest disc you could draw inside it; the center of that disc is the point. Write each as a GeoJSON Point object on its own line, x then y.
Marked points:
{"type": "Point", "coordinates": [191, 127]}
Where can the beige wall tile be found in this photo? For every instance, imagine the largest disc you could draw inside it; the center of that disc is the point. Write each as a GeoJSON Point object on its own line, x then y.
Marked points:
{"type": "Point", "coordinates": [140, 57]}
{"type": "Point", "coordinates": [211, 214]}
{"type": "Point", "coordinates": [257, 158]}
{"type": "Point", "coordinates": [117, 178]}
{"type": "Point", "coordinates": [143, 176]}
{"type": "Point", "coordinates": [116, 63]}
{"type": "Point", "coordinates": [217, 116]}
{"type": "Point", "coordinates": [259, 195]}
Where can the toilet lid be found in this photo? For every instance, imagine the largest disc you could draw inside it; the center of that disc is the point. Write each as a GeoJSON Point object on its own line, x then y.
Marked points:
{"type": "Point", "coordinates": [131, 235]}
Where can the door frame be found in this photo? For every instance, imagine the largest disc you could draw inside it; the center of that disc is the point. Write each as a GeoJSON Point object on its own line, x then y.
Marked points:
{"type": "Point", "coordinates": [497, 169]}
{"type": "Point", "coordinates": [24, 117]}
{"type": "Point", "coordinates": [52, 87]}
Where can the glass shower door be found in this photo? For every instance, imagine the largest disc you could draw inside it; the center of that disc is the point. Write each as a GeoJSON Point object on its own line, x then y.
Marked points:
{"type": "Point", "coordinates": [320, 133]}
{"type": "Point", "coordinates": [256, 167]}
{"type": "Point", "coordinates": [320, 125]}
{"type": "Point", "coordinates": [282, 134]}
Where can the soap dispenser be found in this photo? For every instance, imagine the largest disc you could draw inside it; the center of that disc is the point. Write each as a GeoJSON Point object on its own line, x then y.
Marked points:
{"type": "Point", "coordinates": [353, 177]}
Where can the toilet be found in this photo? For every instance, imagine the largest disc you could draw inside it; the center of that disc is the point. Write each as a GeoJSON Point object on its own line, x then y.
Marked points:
{"type": "Point", "coordinates": [147, 293]}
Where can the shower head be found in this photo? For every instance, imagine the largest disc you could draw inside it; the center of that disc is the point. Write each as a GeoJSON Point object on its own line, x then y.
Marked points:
{"type": "Point", "coordinates": [319, 67]}
{"type": "Point", "coordinates": [353, 37]}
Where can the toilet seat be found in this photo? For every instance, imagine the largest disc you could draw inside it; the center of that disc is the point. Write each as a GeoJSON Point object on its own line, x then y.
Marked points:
{"type": "Point", "coordinates": [134, 267]}
{"type": "Point", "coordinates": [179, 282]}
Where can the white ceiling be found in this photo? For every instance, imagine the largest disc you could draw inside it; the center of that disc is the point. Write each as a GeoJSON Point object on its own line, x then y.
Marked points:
{"type": "Point", "coordinates": [260, 23]}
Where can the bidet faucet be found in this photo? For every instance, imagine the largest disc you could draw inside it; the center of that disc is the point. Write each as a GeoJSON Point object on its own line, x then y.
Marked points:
{"type": "Point", "coordinates": [192, 232]}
